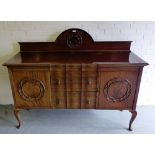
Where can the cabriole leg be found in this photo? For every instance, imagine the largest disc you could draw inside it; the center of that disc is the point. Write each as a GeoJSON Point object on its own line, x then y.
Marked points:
{"type": "Point", "coordinates": [16, 113]}
{"type": "Point", "coordinates": [134, 114]}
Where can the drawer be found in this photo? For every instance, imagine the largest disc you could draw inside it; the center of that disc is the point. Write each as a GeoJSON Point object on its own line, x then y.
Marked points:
{"type": "Point", "coordinates": [73, 70]}
{"type": "Point", "coordinates": [88, 100]}
{"type": "Point", "coordinates": [58, 68]}
{"type": "Point", "coordinates": [89, 77]}
{"type": "Point", "coordinates": [59, 99]}
{"type": "Point", "coordinates": [89, 83]}
{"type": "Point", "coordinates": [73, 83]}
{"type": "Point", "coordinates": [73, 77]}
{"type": "Point", "coordinates": [89, 67]}
{"type": "Point", "coordinates": [74, 67]}
{"type": "Point", "coordinates": [89, 74]}
{"type": "Point", "coordinates": [73, 100]}
{"type": "Point", "coordinates": [58, 80]}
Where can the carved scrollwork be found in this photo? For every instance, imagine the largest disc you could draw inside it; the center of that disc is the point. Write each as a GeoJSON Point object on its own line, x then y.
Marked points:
{"type": "Point", "coordinates": [31, 89]}
{"type": "Point", "coordinates": [117, 90]}
{"type": "Point", "coordinates": [74, 40]}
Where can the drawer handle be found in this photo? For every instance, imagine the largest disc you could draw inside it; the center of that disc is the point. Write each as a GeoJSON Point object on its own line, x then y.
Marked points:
{"type": "Point", "coordinates": [89, 101]}
{"type": "Point", "coordinates": [58, 82]}
{"type": "Point", "coordinates": [89, 82]}
{"type": "Point", "coordinates": [58, 101]}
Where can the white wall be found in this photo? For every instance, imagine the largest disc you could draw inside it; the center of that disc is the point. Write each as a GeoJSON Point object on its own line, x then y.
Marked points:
{"type": "Point", "coordinates": [141, 33]}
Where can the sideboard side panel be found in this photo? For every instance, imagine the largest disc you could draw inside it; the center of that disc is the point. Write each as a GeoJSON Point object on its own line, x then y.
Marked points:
{"type": "Point", "coordinates": [137, 87]}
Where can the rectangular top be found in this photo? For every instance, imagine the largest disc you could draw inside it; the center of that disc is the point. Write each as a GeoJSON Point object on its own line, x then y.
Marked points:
{"type": "Point", "coordinates": [45, 59]}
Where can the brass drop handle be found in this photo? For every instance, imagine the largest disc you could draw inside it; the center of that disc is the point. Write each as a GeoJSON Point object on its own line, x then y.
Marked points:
{"type": "Point", "coordinates": [89, 101]}
{"type": "Point", "coordinates": [58, 101]}
{"type": "Point", "coordinates": [89, 81]}
{"type": "Point", "coordinates": [58, 82]}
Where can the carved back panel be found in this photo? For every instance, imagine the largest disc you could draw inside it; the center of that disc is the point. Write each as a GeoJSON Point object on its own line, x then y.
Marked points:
{"type": "Point", "coordinates": [76, 40]}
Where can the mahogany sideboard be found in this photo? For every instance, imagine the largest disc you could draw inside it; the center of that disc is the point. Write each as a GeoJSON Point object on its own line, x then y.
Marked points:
{"type": "Point", "coordinates": [75, 72]}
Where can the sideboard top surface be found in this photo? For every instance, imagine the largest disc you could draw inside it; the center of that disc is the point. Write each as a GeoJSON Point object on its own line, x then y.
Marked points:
{"type": "Point", "coordinates": [75, 46]}
{"type": "Point", "coordinates": [43, 59]}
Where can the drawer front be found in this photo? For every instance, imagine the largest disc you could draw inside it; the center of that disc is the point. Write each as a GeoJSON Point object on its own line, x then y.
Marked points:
{"type": "Point", "coordinates": [88, 100]}
{"type": "Point", "coordinates": [89, 81]}
{"type": "Point", "coordinates": [73, 83]}
{"type": "Point", "coordinates": [73, 67]}
{"type": "Point", "coordinates": [73, 77]}
{"type": "Point", "coordinates": [58, 80]}
{"type": "Point", "coordinates": [59, 100]}
{"type": "Point", "coordinates": [89, 67]}
{"type": "Point", "coordinates": [73, 100]}
{"type": "Point", "coordinates": [31, 87]}
{"type": "Point", "coordinates": [89, 77]}
{"type": "Point", "coordinates": [58, 68]}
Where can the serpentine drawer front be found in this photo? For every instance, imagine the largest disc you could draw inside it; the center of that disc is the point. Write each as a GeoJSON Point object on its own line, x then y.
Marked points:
{"type": "Point", "coordinates": [75, 72]}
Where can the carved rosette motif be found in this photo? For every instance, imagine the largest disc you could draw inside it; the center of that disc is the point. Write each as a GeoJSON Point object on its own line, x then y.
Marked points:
{"type": "Point", "coordinates": [117, 90]}
{"type": "Point", "coordinates": [74, 40]}
{"type": "Point", "coordinates": [31, 89]}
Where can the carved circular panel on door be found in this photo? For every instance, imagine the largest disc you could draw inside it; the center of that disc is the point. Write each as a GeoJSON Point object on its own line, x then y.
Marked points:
{"type": "Point", "coordinates": [31, 89]}
{"type": "Point", "coordinates": [117, 90]}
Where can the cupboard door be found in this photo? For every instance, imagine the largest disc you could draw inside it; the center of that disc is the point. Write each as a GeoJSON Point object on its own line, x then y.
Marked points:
{"type": "Point", "coordinates": [31, 87]}
{"type": "Point", "coordinates": [117, 89]}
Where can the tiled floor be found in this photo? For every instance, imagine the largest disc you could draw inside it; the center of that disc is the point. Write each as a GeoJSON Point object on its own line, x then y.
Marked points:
{"type": "Point", "coordinates": [77, 121]}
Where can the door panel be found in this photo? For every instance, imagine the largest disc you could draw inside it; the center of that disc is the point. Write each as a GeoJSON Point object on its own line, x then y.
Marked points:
{"type": "Point", "coordinates": [117, 89]}
{"type": "Point", "coordinates": [31, 87]}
